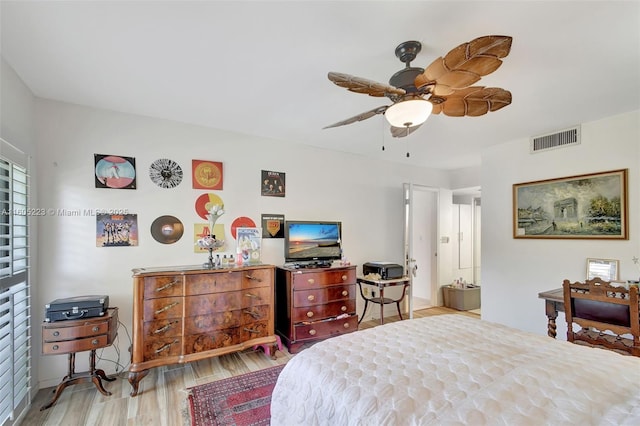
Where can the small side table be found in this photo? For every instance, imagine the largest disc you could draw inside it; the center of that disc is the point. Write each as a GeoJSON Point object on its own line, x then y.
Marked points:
{"type": "Point", "coordinates": [72, 336]}
{"type": "Point", "coordinates": [381, 285]}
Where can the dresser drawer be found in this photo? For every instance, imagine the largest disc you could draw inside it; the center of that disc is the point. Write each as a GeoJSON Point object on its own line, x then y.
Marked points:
{"type": "Point", "coordinates": [210, 322]}
{"type": "Point", "coordinates": [255, 313]}
{"type": "Point", "coordinates": [316, 312]}
{"type": "Point", "coordinates": [163, 308]}
{"type": "Point", "coordinates": [205, 342]}
{"type": "Point", "coordinates": [255, 330]}
{"type": "Point", "coordinates": [211, 303]}
{"type": "Point", "coordinates": [68, 333]}
{"type": "Point", "coordinates": [77, 345]}
{"type": "Point", "coordinates": [162, 348]}
{"type": "Point", "coordinates": [169, 327]}
{"type": "Point", "coordinates": [164, 286]}
{"type": "Point", "coordinates": [257, 278]}
{"type": "Point", "coordinates": [308, 280]}
{"type": "Point", "coordinates": [257, 296]}
{"type": "Point", "coordinates": [323, 295]}
{"type": "Point", "coordinates": [323, 329]}
{"type": "Point", "coordinates": [212, 283]}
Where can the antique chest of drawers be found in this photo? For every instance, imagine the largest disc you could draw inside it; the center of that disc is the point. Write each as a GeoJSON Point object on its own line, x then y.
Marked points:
{"type": "Point", "coordinates": [314, 304]}
{"type": "Point", "coordinates": [187, 314]}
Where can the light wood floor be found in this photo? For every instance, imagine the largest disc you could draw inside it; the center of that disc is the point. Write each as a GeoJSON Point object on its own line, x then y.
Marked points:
{"type": "Point", "coordinates": [162, 399]}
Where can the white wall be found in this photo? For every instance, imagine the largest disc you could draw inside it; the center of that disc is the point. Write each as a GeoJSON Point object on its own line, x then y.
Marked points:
{"type": "Point", "coordinates": [365, 195]}
{"type": "Point", "coordinates": [514, 271]}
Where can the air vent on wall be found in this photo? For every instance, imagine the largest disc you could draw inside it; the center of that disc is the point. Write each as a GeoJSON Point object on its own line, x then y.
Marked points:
{"type": "Point", "coordinates": [556, 140]}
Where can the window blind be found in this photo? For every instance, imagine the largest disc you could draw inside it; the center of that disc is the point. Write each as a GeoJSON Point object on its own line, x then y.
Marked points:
{"type": "Point", "coordinates": [15, 305]}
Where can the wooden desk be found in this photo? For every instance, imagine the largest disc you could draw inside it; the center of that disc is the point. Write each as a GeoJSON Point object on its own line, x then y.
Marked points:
{"type": "Point", "coordinates": [553, 303]}
{"type": "Point", "coordinates": [72, 336]}
{"type": "Point", "coordinates": [381, 285]}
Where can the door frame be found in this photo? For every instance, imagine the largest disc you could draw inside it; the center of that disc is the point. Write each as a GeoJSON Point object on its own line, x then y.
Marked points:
{"type": "Point", "coordinates": [409, 260]}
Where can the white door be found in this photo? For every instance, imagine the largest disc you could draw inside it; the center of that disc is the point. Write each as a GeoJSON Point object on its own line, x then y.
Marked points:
{"type": "Point", "coordinates": [420, 244]}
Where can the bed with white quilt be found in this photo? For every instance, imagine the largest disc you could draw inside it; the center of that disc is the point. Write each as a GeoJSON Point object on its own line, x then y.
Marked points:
{"type": "Point", "coordinates": [455, 370]}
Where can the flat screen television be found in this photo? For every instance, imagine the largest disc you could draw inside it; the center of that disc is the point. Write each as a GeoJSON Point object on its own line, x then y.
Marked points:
{"type": "Point", "coordinates": [309, 243]}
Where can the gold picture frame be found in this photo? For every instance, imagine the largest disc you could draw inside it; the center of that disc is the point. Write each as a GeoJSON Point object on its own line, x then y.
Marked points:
{"type": "Point", "coordinates": [589, 206]}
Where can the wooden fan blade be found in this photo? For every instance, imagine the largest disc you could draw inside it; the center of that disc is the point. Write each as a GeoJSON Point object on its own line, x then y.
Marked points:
{"type": "Point", "coordinates": [400, 132]}
{"type": "Point", "coordinates": [465, 64]}
{"type": "Point", "coordinates": [471, 101]}
{"type": "Point", "coordinates": [359, 117]}
{"type": "Point", "coordinates": [362, 85]}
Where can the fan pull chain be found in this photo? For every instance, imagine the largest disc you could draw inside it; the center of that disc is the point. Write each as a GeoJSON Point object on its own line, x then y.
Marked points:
{"type": "Point", "coordinates": [383, 129]}
{"type": "Point", "coordinates": [407, 140]}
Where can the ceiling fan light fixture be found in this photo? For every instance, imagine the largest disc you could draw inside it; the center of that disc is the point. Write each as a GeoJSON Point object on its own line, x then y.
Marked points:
{"type": "Point", "coordinates": [409, 113]}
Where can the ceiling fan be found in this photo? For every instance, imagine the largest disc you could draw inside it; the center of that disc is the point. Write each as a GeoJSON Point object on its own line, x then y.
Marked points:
{"type": "Point", "coordinates": [442, 87]}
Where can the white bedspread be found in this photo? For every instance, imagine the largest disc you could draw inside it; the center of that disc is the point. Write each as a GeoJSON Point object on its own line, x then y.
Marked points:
{"type": "Point", "coordinates": [454, 370]}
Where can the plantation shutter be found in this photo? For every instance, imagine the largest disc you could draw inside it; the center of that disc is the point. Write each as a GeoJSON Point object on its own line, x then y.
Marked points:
{"type": "Point", "coordinates": [15, 306]}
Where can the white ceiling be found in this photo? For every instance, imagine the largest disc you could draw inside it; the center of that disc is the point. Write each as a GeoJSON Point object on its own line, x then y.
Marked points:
{"type": "Point", "coordinates": [260, 67]}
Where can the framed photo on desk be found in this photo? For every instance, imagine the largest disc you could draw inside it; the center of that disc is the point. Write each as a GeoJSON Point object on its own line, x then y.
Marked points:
{"type": "Point", "coordinates": [605, 269]}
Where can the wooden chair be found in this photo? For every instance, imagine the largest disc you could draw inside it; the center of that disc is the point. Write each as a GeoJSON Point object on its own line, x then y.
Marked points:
{"type": "Point", "coordinates": [607, 315]}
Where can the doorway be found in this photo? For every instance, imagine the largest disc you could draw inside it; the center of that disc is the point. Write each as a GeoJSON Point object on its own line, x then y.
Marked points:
{"type": "Point", "coordinates": [421, 233]}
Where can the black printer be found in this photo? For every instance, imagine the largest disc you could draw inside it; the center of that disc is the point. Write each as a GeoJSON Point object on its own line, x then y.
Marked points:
{"type": "Point", "coordinates": [386, 270]}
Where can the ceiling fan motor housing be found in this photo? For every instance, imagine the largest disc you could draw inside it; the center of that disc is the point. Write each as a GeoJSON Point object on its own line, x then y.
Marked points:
{"type": "Point", "coordinates": [405, 79]}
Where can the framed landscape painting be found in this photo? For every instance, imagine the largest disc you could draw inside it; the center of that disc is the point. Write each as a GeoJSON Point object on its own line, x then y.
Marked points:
{"type": "Point", "coordinates": [591, 206]}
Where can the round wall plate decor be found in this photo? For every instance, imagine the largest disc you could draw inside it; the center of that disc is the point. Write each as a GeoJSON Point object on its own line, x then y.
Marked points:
{"type": "Point", "coordinates": [167, 229]}
{"type": "Point", "coordinates": [165, 173]}
{"type": "Point", "coordinates": [205, 202]}
{"type": "Point", "coordinates": [241, 222]}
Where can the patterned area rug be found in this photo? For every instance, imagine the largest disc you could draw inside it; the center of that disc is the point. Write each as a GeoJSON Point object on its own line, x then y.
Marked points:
{"type": "Point", "coordinates": [237, 401]}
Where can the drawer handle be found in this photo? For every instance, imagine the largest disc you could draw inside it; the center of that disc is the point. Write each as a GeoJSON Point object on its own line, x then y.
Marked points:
{"type": "Point", "coordinates": [166, 308]}
{"type": "Point", "coordinates": [251, 330]}
{"type": "Point", "coordinates": [311, 297]}
{"type": "Point", "coordinates": [167, 286]}
{"type": "Point", "coordinates": [56, 347]}
{"type": "Point", "coordinates": [254, 314]}
{"type": "Point", "coordinates": [165, 347]}
{"type": "Point", "coordinates": [312, 332]}
{"type": "Point", "coordinates": [345, 293]}
{"type": "Point", "coordinates": [251, 277]}
{"type": "Point", "coordinates": [96, 328]}
{"type": "Point", "coordinates": [56, 333]}
{"type": "Point", "coordinates": [165, 328]}
{"type": "Point", "coordinates": [94, 342]}
{"type": "Point", "coordinates": [254, 296]}
{"type": "Point", "coordinates": [346, 325]}
{"type": "Point", "coordinates": [344, 278]}
{"type": "Point", "coordinates": [311, 281]}
{"type": "Point", "coordinates": [343, 309]}
{"type": "Point", "coordinates": [310, 314]}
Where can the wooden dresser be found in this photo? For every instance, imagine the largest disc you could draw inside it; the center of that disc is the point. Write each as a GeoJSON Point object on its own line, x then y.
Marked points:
{"type": "Point", "coordinates": [188, 313]}
{"type": "Point", "coordinates": [315, 303]}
